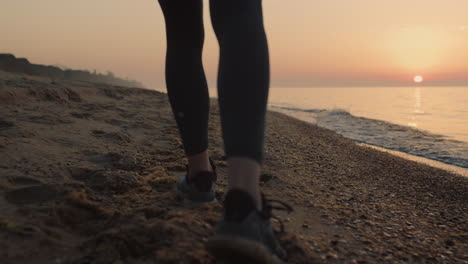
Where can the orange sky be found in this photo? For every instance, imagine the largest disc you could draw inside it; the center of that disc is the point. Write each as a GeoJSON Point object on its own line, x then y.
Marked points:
{"type": "Point", "coordinates": [312, 42]}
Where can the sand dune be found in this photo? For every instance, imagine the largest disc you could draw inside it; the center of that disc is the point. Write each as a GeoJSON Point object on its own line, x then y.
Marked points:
{"type": "Point", "coordinates": [87, 174]}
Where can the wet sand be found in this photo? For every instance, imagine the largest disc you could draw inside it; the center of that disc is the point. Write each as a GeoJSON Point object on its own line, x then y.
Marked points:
{"type": "Point", "coordinates": [87, 174]}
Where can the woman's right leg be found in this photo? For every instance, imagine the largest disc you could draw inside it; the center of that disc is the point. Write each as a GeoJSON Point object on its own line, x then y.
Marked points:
{"type": "Point", "coordinates": [243, 83]}
{"type": "Point", "coordinates": [244, 234]}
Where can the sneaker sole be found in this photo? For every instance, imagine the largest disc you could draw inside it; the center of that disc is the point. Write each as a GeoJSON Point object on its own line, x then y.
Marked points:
{"type": "Point", "coordinates": [238, 250]}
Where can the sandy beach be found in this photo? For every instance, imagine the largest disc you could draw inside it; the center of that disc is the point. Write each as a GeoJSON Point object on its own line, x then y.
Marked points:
{"type": "Point", "coordinates": [87, 174]}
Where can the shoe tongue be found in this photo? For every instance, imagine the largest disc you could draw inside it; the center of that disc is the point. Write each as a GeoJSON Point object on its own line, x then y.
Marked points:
{"type": "Point", "coordinates": [238, 205]}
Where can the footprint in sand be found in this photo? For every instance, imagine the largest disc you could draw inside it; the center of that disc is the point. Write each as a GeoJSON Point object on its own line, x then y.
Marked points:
{"type": "Point", "coordinates": [116, 160]}
{"type": "Point", "coordinates": [116, 181]}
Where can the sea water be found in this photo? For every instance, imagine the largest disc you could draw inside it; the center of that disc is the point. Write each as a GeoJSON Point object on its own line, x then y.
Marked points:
{"type": "Point", "coordinates": [430, 122]}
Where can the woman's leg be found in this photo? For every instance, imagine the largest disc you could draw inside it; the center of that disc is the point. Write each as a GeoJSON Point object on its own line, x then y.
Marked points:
{"type": "Point", "coordinates": [185, 78]}
{"type": "Point", "coordinates": [243, 83]}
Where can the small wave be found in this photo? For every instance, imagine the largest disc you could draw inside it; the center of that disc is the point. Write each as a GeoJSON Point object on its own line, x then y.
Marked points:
{"type": "Point", "coordinates": [387, 135]}
{"type": "Point", "coordinates": [299, 109]}
{"type": "Point", "coordinates": [337, 111]}
{"type": "Point", "coordinates": [397, 137]}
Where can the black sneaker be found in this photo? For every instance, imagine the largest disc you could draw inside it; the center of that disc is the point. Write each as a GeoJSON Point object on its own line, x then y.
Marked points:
{"type": "Point", "coordinates": [244, 234]}
{"type": "Point", "coordinates": [200, 188]}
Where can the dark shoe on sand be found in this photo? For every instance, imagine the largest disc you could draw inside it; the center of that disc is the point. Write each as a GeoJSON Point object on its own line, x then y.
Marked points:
{"type": "Point", "coordinates": [245, 235]}
{"type": "Point", "coordinates": [199, 189]}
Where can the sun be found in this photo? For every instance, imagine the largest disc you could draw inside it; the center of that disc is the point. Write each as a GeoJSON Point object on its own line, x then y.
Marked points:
{"type": "Point", "coordinates": [418, 79]}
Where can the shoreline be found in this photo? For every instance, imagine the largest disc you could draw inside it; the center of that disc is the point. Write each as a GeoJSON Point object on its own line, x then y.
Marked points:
{"type": "Point", "coordinates": [88, 171]}
{"type": "Point", "coordinates": [433, 163]}
{"type": "Point", "coordinates": [420, 157]}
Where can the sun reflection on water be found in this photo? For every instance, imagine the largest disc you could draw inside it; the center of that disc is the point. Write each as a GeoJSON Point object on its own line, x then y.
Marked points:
{"type": "Point", "coordinates": [417, 107]}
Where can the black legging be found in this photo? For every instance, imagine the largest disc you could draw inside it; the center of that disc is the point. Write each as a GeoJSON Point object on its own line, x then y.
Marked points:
{"type": "Point", "coordinates": [243, 76]}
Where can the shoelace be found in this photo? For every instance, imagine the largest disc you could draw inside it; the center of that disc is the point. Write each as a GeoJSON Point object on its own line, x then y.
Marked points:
{"type": "Point", "coordinates": [268, 207]}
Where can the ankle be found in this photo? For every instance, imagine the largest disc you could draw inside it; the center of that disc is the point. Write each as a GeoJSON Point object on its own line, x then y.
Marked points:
{"type": "Point", "coordinates": [244, 174]}
{"type": "Point", "coordinates": [199, 162]}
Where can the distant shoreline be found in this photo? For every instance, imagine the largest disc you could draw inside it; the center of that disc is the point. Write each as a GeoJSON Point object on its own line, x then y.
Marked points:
{"type": "Point", "coordinates": [9, 63]}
